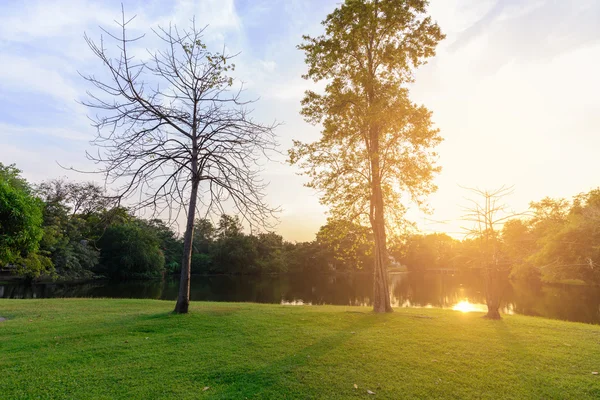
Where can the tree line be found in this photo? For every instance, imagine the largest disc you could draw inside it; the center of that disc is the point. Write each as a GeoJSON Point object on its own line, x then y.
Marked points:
{"type": "Point", "coordinates": [556, 241]}
{"type": "Point", "coordinates": [72, 231]}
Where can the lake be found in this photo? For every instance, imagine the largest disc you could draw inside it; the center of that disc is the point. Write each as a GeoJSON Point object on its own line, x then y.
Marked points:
{"type": "Point", "coordinates": [463, 292]}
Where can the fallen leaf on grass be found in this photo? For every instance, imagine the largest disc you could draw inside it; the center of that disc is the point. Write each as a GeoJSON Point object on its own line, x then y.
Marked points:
{"type": "Point", "coordinates": [567, 344]}
{"type": "Point", "coordinates": [370, 392]}
{"type": "Point", "coordinates": [355, 386]}
{"type": "Point", "coordinates": [434, 360]}
{"type": "Point", "coordinates": [205, 388]}
{"type": "Point", "coordinates": [595, 373]}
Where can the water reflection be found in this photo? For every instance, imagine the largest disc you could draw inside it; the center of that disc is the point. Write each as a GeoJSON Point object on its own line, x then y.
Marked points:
{"type": "Point", "coordinates": [466, 306]}
{"type": "Point", "coordinates": [575, 303]}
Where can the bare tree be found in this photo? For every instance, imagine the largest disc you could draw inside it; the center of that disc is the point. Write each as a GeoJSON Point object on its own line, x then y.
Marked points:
{"type": "Point", "coordinates": [79, 197]}
{"type": "Point", "coordinates": [174, 133]}
{"type": "Point", "coordinates": [488, 213]}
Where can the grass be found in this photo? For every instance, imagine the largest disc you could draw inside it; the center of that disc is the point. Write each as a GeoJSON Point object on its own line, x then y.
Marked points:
{"type": "Point", "coordinates": [137, 349]}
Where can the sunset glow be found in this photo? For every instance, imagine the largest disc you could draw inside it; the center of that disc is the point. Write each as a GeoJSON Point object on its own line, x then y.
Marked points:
{"type": "Point", "coordinates": [465, 307]}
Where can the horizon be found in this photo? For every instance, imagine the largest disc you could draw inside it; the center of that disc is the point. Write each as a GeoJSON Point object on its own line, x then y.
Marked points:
{"type": "Point", "coordinates": [491, 86]}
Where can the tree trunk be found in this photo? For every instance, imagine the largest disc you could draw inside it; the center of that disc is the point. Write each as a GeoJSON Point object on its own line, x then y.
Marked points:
{"type": "Point", "coordinates": [492, 293]}
{"type": "Point", "coordinates": [183, 301]}
{"type": "Point", "coordinates": [381, 291]}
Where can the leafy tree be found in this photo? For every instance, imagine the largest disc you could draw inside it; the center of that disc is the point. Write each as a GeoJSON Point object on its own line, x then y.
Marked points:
{"type": "Point", "coordinates": [128, 251]}
{"type": "Point", "coordinates": [229, 227]}
{"type": "Point", "coordinates": [518, 244]}
{"type": "Point", "coordinates": [202, 255]}
{"type": "Point", "coordinates": [433, 251]}
{"type": "Point", "coordinates": [570, 247]}
{"type": "Point", "coordinates": [375, 144]}
{"type": "Point", "coordinates": [170, 245]}
{"type": "Point", "coordinates": [305, 258]}
{"type": "Point", "coordinates": [204, 235]}
{"type": "Point", "coordinates": [20, 225]}
{"type": "Point", "coordinates": [348, 246]}
{"type": "Point", "coordinates": [11, 175]}
{"type": "Point", "coordinates": [269, 253]}
{"type": "Point", "coordinates": [236, 254]}
{"type": "Point", "coordinates": [233, 252]}
{"type": "Point", "coordinates": [73, 254]}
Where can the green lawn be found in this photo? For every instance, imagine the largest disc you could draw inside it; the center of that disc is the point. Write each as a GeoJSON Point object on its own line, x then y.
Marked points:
{"type": "Point", "coordinates": [137, 349]}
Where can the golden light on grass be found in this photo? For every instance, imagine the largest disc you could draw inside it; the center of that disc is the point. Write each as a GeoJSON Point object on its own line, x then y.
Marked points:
{"type": "Point", "coordinates": [465, 307]}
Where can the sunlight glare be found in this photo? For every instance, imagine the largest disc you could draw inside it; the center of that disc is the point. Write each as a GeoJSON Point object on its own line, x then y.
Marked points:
{"type": "Point", "coordinates": [465, 307]}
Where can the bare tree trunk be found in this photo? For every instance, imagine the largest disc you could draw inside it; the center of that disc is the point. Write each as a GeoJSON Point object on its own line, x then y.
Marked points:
{"type": "Point", "coordinates": [381, 293]}
{"type": "Point", "coordinates": [183, 301]}
{"type": "Point", "coordinates": [492, 293]}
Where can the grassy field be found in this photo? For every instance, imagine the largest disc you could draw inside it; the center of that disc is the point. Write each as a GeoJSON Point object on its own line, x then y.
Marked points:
{"type": "Point", "coordinates": [137, 349]}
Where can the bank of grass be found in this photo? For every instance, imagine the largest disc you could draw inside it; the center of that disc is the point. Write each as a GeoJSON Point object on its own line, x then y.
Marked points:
{"type": "Point", "coordinates": [137, 349]}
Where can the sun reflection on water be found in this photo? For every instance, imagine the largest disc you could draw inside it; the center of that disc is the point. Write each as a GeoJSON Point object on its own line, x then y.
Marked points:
{"type": "Point", "coordinates": [465, 307]}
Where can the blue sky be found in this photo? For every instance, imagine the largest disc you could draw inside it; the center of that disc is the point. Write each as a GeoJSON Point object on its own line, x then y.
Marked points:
{"type": "Point", "coordinates": [513, 89]}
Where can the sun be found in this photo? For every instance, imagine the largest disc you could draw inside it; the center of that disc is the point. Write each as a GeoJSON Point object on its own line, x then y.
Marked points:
{"type": "Point", "coordinates": [465, 307]}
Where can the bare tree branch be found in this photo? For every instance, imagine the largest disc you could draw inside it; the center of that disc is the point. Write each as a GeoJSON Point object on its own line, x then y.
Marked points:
{"type": "Point", "coordinates": [173, 132]}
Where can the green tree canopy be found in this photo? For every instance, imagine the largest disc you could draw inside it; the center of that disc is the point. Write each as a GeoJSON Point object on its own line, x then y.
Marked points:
{"type": "Point", "coordinates": [20, 216]}
{"type": "Point", "coordinates": [129, 251]}
{"type": "Point", "coordinates": [347, 246]}
{"type": "Point", "coordinates": [375, 146]}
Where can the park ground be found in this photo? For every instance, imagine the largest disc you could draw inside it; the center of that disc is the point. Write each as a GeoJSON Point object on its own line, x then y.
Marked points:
{"type": "Point", "coordinates": [138, 349]}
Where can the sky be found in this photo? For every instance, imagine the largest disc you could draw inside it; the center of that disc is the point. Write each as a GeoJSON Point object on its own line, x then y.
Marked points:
{"type": "Point", "coordinates": [513, 89]}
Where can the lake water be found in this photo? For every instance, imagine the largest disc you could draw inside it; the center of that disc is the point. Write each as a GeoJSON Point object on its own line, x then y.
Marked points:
{"type": "Point", "coordinates": [574, 303]}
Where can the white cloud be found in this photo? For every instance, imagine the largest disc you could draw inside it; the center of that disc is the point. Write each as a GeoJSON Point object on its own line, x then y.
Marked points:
{"type": "Point", "coordinates": [513, 88]}
{"type": "Point", "coordinates": [58, 23]}
{"type": "Point", "coordinates": [36, 74]}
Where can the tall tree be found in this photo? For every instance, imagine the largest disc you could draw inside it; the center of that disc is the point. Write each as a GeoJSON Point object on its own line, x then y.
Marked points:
{"type": "Point", "coordinates": [174, 132]}
{"type": "Point", "coordinates": [375, 144]}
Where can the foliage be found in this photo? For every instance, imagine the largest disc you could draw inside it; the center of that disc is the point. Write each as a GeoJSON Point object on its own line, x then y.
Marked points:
{"type": "Point", "coordinates": [130, 252]}
{"type": "Point", "coordinates": [20, 222]}
{"type": "Point", "coordinates": [429, 252]}
{"type": "Point", "coordinates": [347, 246]}
{"type": "Point", "coordinates": [11, 175]}
{"type": "Point", "coordinates": [367, 56]}
{"type": "Point", "coordinates": [170, 244]}
{"type": "Point", "coordinates": [570, 248]}
{"type": "Point", "coordinates": [33, 266]}
{"type": "Point", "coordinates": [44, 238]}
{"type": "Point", "coordinates": [376, 145]}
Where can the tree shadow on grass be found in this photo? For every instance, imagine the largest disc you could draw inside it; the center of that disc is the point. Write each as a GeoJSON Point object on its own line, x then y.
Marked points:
{"type": "Point", "coordinates": [284, 374]}
{"type": "Point", "coordinates": [534, 380]}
